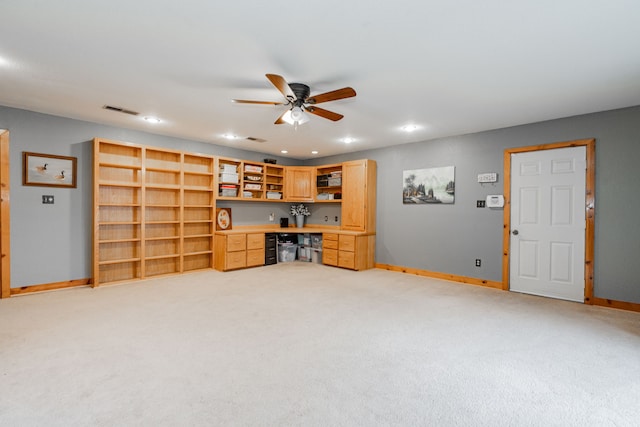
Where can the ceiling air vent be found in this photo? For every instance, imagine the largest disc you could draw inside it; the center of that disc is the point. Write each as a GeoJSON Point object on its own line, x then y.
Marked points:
{"type": "Point", "coordinates": [120, 110]}
{"type": "Point", "coordinates": [251, 138]}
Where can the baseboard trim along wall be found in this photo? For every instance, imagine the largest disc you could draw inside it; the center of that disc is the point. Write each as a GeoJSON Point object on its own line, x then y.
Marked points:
{"type": "Point", "coordinates": [443, 276]}
{"type": "Point", "coordinates": [50, 286]}
{"type": "Point", "coordinates": [603, 302]}
{"type": "Point", "coordinates": [622, 305]}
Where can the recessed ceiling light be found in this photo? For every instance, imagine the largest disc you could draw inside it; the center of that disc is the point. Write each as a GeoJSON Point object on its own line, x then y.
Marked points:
{"type": "Point", "coordinates": [152, 119]}
{"type": "Point", "coordinates": [348, 140]}
{"type": "Point", "coordinates": [284, 151]}
{"type": "Point", "coordinates": [230, 136]}
{"type": "Point", "coordinates": [314, 152]}
{"type": "Point", "coordinates": [409, 128]}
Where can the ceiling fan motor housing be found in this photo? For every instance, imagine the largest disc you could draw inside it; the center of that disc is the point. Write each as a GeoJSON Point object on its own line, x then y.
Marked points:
{"type": "Point", "coordinates": [301, 91]}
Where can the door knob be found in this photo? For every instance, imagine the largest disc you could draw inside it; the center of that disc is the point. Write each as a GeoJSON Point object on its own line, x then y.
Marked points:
{"type": "Point", "coordinates": [515, 232]}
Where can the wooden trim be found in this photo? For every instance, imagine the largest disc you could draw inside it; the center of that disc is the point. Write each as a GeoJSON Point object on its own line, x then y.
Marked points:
{"type": "Point", "coordinates": [443, 276]}
{"type": "Point", "coordinates": [590, 209]}
{"type": "Point", "coordinates": [5, 205]}
{"type": "Point", "coordinates": [50, 286]}
{"type": "Point", "coordinates": [95, 264]}
{"type": "Point", "coordinates": [621, 305]}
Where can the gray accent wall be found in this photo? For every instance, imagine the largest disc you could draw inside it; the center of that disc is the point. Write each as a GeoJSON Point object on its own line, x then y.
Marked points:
{"type": "Point", "coordinates": [52, 243]}
{"type": "Point", "coordinates": [449, 238]}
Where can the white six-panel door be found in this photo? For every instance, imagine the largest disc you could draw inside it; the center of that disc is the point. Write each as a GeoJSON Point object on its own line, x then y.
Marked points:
{"type": "Point", "coordinates": [548, 223]}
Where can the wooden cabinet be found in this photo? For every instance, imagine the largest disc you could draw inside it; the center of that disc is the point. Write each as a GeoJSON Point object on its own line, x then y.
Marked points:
{"type": "Point", "coordinates": [240, 250]}
{"type": "Point", "coordinates": [359, 195]}
{"type": "Point", "coordinates": [330, 249]}
{"type": "Point", "coordinates": [153, 211]}
{"type": "Point", "coordinates": [355, 252]}
{"type": "Point", "coordinates": [300, 183]}
{"type": "Point", "coordinates": [255, 249]}
{"type": "Point", "coordinates": [274, 182]}
{"type": "Point", "coordinates": [329, 184]}
{"type": "Point", "coordinates": [249, 181]}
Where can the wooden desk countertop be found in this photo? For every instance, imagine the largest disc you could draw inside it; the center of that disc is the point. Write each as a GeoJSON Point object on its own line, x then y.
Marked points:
{"type": "Point", "coordinates": [273, 228]}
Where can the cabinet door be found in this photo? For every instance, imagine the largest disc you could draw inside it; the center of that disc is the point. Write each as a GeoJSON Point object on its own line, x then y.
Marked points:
{"type": "Point", "coordinates": [299, 183]}
{"type": "Point", "coordinates": [358, 195]}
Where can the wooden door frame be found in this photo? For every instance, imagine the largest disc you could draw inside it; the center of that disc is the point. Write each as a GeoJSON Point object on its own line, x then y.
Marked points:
{"type": "Point", "coordinates": [590, 208]}
{"type": "Point", "coordinates": [5, 205]}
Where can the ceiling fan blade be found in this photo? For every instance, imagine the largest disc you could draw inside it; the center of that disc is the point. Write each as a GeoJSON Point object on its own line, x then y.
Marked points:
{"type": "Point", "coordinates": [281, 84]}
{"type": "Point", "coordinates": [280, 121]}
{"type": "Point", "coordinates": [244, 101]}
{"type": "Point", "coordinates": [324, 113]}
{"type": "Point", "coordinates": [345, 92]}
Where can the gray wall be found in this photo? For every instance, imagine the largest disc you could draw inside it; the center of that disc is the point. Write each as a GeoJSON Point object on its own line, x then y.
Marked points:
{"type": "Point", "coordinates": [448, 238]}
{"type": "Point", "coordinates": [53, 243]}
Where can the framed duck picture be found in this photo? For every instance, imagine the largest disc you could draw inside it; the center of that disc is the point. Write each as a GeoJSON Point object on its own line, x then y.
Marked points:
{"type": "Point", "coordinates": [223, 219]}
{"type": "Point", "coordinates": [48, 170]}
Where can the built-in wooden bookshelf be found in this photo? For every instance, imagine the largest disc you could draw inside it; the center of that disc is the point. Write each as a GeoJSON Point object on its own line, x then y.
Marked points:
{"type": "Point", "coordinates": [329, 183]}
{"type": "Point", "coordinates": [249, 181]}
{"type": "Point", "coordinates": [153, 211]}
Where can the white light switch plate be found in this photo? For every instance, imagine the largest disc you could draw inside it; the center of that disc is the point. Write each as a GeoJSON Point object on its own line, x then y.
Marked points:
{"type": "Point", "coordinates": [488, 177]}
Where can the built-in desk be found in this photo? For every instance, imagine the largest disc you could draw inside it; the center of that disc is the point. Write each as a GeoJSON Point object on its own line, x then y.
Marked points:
{"type": "Point", "coordinates": [340, 248]}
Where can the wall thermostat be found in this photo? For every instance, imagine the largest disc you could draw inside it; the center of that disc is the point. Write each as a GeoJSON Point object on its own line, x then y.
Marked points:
{"type": "Point", "coordinates": [488, 177]}
{"type": "Point", "coordinates": [495, 201]}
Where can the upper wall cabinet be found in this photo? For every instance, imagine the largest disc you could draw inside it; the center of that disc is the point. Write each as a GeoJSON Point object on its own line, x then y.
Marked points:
{"type": "Point", "coordinates": [329, 183]}
{"type": "Point", "coordinates": [250, 181]}
{"type": "Point", "coordinates": [300, 183]}
{"type": "Point", "coordinates": [359, 195]}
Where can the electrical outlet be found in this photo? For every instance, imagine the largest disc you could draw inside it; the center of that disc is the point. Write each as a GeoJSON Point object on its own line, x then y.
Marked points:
{"type": "Point", "coordinates": [336, 218]}
{"type": "Point", "coordinates": [478, 263]}
{"type": "Point", "coordinates": [326, 218]}
{"type": "Point", "coordinates": [47, 200]}
{"type": "Point", "coordinates": [272, 217]}
{"type": "Point", "coordinates": [481, 203]}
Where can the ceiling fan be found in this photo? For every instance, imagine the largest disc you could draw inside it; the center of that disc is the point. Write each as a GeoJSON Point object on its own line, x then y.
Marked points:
{"type": "Point", "coordinates": [298, 97]}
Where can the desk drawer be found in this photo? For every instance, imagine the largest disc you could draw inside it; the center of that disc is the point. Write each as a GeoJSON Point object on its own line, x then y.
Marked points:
{"type": "Point", "coordinates": [347, 259]}
{"type": "Point", "coordinates": [255, 240]}
{"type": "Point", "coordinates": [329, 244]}
{"type": "Point", "coordinates": [255, 257]}
{"type": "Point", "coordinates": [236, 242]}
{"type": "Point", "coordinates": [347, 243]}
{"type": "Point", "coordinates": [236, 260]}
{"type": "Point", "coordinates": [330, 256]}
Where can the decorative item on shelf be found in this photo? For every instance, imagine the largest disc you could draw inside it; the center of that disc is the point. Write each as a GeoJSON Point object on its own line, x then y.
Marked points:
{"type": "Point", "coordinates": [223, 219]}
{"type": "Point", "coordinates": [270, 161]}
{"type": "Point", "coordinates": [299, 211]}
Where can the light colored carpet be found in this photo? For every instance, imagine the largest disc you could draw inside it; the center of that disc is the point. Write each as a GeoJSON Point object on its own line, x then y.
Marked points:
{"type": "Point", "coordinates": [299, 344]}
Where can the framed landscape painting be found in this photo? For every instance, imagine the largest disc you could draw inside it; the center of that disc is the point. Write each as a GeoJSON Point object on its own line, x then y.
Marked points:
{"type": "Point", "coordinates": [429, 186]}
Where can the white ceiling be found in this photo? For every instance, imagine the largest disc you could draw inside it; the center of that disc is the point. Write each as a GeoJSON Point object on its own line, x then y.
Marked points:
{"type": "Point", "coordinates": [451, 67]}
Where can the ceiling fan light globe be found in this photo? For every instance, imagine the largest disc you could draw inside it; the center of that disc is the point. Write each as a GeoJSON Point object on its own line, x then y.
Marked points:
{"type": "Point", "coordinates": [296, 114]}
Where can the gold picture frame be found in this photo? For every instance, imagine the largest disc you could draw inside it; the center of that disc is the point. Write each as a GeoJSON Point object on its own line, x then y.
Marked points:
{"type": "Point", "coordinates": [49, 170]}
